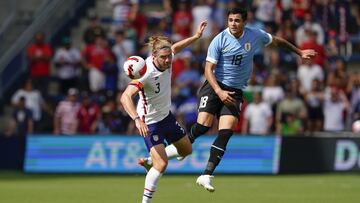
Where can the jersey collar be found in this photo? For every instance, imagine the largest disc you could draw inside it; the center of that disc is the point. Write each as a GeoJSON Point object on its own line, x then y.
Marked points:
{"type": "Point", "coordinates": [157, 67]}
{"type": "Point", "coordinates": [228, 31]}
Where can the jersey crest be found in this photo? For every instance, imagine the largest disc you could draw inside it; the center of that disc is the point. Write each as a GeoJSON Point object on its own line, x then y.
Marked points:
{"type": "Point", "coordinates": [247, 46]}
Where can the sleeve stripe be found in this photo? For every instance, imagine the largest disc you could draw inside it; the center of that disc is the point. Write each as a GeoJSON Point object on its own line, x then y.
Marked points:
{"type": "Point", "coordinates": [211, 60]}
{"type": "Point", "coordinates": [137, 84]}
{"type": "Point", "coordinates": [271, 38]}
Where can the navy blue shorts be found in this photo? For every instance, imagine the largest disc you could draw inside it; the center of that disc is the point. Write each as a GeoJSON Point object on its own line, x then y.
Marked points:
{"type": "Point", "coordinates": [167, 129]}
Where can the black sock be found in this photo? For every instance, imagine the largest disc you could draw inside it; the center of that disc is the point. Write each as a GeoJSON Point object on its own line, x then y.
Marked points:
{"type": "Point", "coordinates": [196, 131]}
{"type": "Point", "coordinates": [215, 157]}
{"type": "Point", "coordinates": [217, 150]}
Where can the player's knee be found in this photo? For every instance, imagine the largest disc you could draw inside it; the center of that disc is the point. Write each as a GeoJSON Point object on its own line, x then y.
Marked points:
{"type": "Point", "coordinates": [199, 129]}
{"type": "Point", "coordinates": [223, 138]}
{"type": "Point", "coordinates": [160, 165]}
{"type": "Point", "coordinates": [196, 130]}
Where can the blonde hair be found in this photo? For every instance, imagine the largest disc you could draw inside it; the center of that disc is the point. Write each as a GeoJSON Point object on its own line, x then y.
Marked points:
{"type": "Point", "coordinates": [159, 42]}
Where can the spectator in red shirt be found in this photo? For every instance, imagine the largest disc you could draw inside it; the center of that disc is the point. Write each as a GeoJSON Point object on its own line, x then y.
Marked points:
{"type": "Point", "coordinates": [88, 115]}
{"type": "Point", "coordinates": [182, 22]}
{"type": "Point", "coordinates": [300, 7]}
{"type": "Point", "coordinates": [311, 43]}
{"type": "Point", "coordinates": [140, 24]}
{"type": "Point", "coordinates": [39, 55]}
{"type": "Point", "coordinates": [94, 56]}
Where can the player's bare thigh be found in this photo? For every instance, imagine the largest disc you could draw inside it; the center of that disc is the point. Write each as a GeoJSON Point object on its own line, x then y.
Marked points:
{"type": "Point", "coordinates": [227, 122]}
{"type": "Point", "coordinates": [159, 157]}
{"type": "Point", "coordinates": [205, 118]}
{"type": "Point", "coordinates": [183, 146]}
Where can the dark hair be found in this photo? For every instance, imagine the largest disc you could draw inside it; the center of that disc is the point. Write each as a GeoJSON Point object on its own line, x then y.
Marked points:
{"type": "Point", "coordinates": [119, 32]}
{"type": "Point", "coordinates": [27, 80]}
{"type": "Point", "coordinates": [241, 11]}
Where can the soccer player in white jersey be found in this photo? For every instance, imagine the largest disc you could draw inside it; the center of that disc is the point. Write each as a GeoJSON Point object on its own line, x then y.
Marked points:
{"type": "Point", "coordinates": [152, 116]}
{"type": "Point", "coordinates": [228, 67]}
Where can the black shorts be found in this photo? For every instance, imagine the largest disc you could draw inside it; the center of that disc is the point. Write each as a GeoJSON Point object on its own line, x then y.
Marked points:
{"type": "Point", "coordinates": [209, 101]}
{"type": "Point", "coordinates": [315, 113]}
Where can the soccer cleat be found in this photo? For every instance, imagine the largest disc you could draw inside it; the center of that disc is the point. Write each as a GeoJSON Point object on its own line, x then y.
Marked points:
{"type": "Point", "coordinates": [180, 158]}
{"type": "Point", "coordinates": [205, 181]}
{"type": "Point", "coordinates": [144, 163]}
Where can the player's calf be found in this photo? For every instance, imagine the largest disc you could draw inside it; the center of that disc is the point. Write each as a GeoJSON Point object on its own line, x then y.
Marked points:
{"type": "Point", "coordinates": [217, 150]}
{"type": "Point", "coordinates": [185, 151]}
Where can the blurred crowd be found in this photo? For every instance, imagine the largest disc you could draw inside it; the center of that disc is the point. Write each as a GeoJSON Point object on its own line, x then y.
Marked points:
{"type": "Point", "coordinates": [75, 90]}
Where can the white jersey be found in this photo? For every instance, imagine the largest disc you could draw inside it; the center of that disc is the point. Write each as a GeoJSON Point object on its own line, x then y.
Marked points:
{"type": "Point", "coordinates": [155, 93]}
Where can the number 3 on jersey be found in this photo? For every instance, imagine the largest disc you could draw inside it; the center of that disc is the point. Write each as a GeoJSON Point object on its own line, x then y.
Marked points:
{"type": "Point", "coordinates": [157, 88]}
{"type": "Point", "coordinates": [203, 101]}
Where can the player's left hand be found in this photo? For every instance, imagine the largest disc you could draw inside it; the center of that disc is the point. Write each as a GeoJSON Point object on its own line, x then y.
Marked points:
{"type": "Point", "coordinates": [142, 127]}
{"type": "Point", "coordinates": [308, 53]}
{"type": "Point", "coordinates": [201, 28]}
{"type": "Point", "coordinates": [227, 97]}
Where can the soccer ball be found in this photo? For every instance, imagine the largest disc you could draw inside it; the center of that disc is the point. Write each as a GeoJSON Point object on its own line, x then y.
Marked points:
{"type": "Point", "coordinates": [135, 67]}
{"type": "Point", "coordinates": [356, 126]}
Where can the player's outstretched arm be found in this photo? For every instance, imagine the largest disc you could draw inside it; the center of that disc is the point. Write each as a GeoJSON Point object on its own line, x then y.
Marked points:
{"type": "Point", "coordinates": [129, 106]}
{"type": "Point", "coordinates": [304, 54]}
{"type": "Point", "coordinates": [180, 45]}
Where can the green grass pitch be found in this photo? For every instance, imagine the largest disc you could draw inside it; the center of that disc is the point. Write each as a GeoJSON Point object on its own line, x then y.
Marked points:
{"type": "Point", "coordinates": [16, 187]}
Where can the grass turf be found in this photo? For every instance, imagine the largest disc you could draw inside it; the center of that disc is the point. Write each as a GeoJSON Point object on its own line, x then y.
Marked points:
{"type": "Point", "coordinates": [16, 187]}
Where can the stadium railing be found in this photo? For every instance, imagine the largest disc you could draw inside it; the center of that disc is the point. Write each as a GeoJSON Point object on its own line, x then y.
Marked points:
{"type": "Point", "coordinates": [49, 20]}
{"type": "Point", "coordinates": [19, 16]}
{"type": "Point", "coordinates": [353, 47]}
{"type": "Point", "coordinates": [8, 20]}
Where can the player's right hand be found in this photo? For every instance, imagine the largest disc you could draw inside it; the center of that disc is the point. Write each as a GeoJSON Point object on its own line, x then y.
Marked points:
{"type": "Point", "coordinates": [201, 28]}
{"type": "Point", "coordinates": [227, 97]}
{"type": "Point", "coordinates": [142, 127]}
{"type": "Point", "coordinates": [308, 53]}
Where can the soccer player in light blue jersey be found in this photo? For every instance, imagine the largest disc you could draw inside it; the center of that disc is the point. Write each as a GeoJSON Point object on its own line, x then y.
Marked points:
{"type": "Point", "coordinates": [228, 67]}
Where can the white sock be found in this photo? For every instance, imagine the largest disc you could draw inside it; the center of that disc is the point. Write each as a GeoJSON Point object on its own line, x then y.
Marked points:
{"type": "Point", "coordinates": [151, 181]}
{"type": "Point", "coordinates": [171, 153]}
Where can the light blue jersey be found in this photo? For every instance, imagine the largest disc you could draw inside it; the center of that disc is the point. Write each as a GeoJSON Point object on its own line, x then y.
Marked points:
{"type": "Point", "coordinates": [234, 56]}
